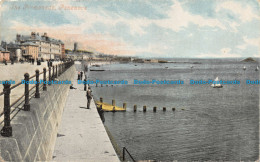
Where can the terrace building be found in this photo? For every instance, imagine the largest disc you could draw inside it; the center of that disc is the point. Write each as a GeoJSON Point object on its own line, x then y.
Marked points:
{"type": "Point", "coordinates": [30, 50]}
{"type": "Point", "coordinates": [48, 48]}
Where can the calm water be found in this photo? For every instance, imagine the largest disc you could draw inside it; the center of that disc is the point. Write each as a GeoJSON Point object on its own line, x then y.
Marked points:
{"type": "Point", "coordinates": [208, 124]}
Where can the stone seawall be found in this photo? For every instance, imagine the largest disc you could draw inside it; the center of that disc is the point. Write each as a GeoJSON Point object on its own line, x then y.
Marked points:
{"type": "Point", "coordinates": [35, 131]}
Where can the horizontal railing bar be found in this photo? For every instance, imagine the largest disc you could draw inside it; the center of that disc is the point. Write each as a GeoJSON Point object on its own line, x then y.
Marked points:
{"type": "Point", "coordinates": [32, 76]}
{"type": "Point", "coordinates": [16, 101]}
{"type": "Point", "coordinates": [32, 88]}
{"type": "Point", "coordinates": [16, 85]}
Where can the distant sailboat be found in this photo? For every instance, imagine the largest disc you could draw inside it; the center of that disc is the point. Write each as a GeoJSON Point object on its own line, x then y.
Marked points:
{"type": "Point", "coordinates": [244, 68]}
{"type": "Point", "coordinates": [216, 84]}
{"type": "Point", "coordinates": [257, 68]}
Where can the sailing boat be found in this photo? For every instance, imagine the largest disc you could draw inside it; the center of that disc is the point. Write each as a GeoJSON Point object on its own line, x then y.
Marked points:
{"type": "Point", "coordinates": [257, 68]}
{"type": "Point", "coordinates": [244, 68]}
{"type": "Point", "coordinates": [216, 84]}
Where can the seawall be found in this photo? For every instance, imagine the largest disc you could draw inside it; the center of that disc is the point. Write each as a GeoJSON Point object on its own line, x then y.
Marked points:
{"type": "Point", "coordinates": [35, 131]}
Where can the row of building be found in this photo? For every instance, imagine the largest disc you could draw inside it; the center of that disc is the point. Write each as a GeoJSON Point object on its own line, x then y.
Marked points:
{"type": "Point", "coordinates": [34, 46]}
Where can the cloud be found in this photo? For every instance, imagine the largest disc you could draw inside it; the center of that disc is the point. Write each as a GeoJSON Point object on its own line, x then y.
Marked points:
{"type": "Point", "coordinates": [177, 33]}
{"type": "Point", "coordinates": [179, 18]}
{"type": "Point", "coordinates": [244, 12]}
{"type": "Point", "coordinates": [249, 42]}
{"type": "Point", "coordinates": [224, 53]}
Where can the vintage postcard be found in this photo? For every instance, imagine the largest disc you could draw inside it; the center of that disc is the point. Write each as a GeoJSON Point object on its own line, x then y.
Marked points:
{"type": "Point", "coordinates": [129, 80]}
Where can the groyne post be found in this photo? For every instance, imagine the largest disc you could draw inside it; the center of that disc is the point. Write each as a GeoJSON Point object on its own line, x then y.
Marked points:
{"type": "Point", "coordinates": [113, 103]}
{"type": "Point", "coordinates": [26, 93]}
{"type": "Point", "coordinates": [135, 108]}
{"type": "Point", "coordinates": [101, 99]}
{"type": "Point", "coordinates": [173, 109]}
{"type": "Point", "coordinates": [37, 93]}
{"type": "Point", "coordinates": [7, 129]}
{"type": "Point", "coordinates": [44, 80]}
{"type": "Point", "coordinates": [164, 108]}
{"type": "Point", "coordinates": [144, 108]}
{"type": "Point", "coordinates": [124, 105]}
{"type": "Point", "coordinates": [154, 109]}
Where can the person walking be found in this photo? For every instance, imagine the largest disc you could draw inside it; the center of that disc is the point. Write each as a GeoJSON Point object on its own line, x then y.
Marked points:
{"type": "Point", "coordinates": [89, 97]}
{"type": "Point", "coordinates": [81, 75]}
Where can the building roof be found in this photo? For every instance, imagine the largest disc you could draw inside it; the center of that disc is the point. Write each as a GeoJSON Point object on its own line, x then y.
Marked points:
{"type": "Point", "coordinates": [2, 49]}
{"type": "Point", "coordinates": [37, 37]}
{"type": "Point", "coordinates": [13, 45]}
{"type": "Point", "coordinates": [29, 44]}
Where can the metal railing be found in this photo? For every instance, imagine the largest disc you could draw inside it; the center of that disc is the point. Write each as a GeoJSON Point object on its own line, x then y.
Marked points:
{"type": "Point", "coordinates": [125, 150]}
{"type": "Point", "coordinates": [57, 70]}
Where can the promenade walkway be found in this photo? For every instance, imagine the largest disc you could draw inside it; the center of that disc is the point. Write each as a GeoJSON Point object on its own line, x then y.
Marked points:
{"type": "Point", "coordinates": [82, 135]}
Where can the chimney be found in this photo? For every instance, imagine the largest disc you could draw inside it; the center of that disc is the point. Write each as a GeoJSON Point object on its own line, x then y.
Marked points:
{"type": "Point", "coordinates": [18, 37]}
{"type": "Point", "coordinates": [33, 35]}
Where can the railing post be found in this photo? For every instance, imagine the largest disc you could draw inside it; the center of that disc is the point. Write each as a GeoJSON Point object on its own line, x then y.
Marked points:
{"type": "Point", "coordinates": [7, 129]}
{"type": "Point", "coordinates": [49, 75]}
{"type": "Point", "coordinates": [85, 86]}
{"type": "Point", "coordinates": [53, 72]}
{"type": "Point", "coordinates": [59, 69]}
{"type": "Point", "coordinates": [37, 93]}
{"type": "Point", "coordinates": [26, 93]}
{"type": "Point", "coordinates": [44, 80]}
{"type": "Point", "coordinates": [56, 71]}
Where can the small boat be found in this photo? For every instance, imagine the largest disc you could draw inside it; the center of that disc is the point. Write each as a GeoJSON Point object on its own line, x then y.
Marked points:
{"type": "Point", "coordinates": [216, 84]}
{"type": "Point", "coordinates": [257, 68]}
{"type": "Point", "coordinates": [244, 68]}
{"type": "Point", "coordinates": [97, 70]}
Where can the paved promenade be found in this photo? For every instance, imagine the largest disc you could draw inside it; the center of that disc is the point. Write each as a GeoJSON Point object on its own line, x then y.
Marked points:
{"type": "Point", "coordinates": [16, 73]}
{"type": "Point", "coordinates": [81, 135]}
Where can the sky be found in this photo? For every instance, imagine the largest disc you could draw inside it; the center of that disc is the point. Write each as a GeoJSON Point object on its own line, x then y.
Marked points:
{"type": "Point", "coordinates": [144, 28]}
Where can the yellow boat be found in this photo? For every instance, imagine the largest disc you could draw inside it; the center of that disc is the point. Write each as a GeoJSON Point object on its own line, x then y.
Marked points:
{"type": "Point", "coordinates": [108, 107]}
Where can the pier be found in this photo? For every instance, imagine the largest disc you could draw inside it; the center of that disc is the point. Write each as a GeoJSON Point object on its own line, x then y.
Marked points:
{"type": "Point", "coordinates": [82, 135]}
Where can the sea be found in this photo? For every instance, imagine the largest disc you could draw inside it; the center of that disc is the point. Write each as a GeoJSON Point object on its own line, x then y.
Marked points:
{"type": "Point", "coordinates": [219, 124]}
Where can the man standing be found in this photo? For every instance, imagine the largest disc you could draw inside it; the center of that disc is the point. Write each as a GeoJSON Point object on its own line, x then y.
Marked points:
{"type": "Point", "coordinates": [89, 97]}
